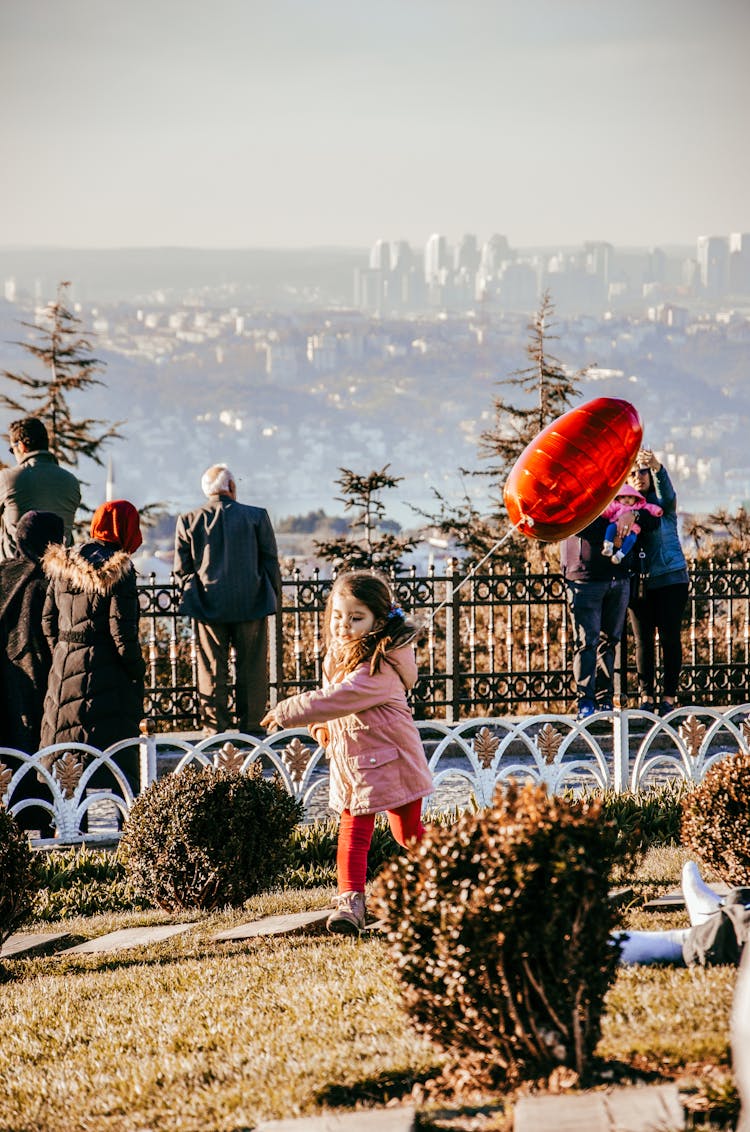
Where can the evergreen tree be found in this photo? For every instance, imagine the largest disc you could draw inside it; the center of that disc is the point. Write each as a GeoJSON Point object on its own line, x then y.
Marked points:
{"type": "Point", "coordinates": [376, 547]}
{"type": "Point", "coordinates": [64, 352]}
{"type": "Point", "coordinates": [546, 387]}
{"type": "Point", "coordinates": [548, 391]}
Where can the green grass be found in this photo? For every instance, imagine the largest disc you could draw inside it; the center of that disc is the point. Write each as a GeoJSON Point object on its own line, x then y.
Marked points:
{"type": "Point", "coordinates": [194, 1035]}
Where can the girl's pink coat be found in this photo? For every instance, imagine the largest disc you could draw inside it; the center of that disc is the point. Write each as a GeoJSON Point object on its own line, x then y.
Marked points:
{"type": "Point", "coordinates": [376, 755]}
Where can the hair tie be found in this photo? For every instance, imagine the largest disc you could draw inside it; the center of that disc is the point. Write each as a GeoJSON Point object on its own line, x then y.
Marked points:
{"type": "Point", "coordinates": [395, 611]}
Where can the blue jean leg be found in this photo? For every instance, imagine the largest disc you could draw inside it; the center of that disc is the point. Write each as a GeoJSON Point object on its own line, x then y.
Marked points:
{"type": "Point", "coordinates": [598, 610]}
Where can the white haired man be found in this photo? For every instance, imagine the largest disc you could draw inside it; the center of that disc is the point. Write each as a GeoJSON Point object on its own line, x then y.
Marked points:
{"type": "Point", "coordinates": [226, 562]}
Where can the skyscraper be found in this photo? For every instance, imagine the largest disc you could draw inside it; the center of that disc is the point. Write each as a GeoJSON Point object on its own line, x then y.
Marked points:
{"type": "Point", "coordinates": [713, 263]}
{"type": "Point", "coordinates": [435, 258]}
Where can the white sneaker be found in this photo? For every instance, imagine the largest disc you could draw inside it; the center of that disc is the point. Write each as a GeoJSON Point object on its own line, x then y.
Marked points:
{"type": "Point", "coordinates": [607, 548]}
{"type": "Point", "coordinates": [617, 558]}
{"type": "Point", "coordinates": [349, 916]}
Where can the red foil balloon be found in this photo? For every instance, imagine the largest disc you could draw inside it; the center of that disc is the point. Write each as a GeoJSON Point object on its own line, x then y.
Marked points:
{"type": "Point", "coordinates": [573, 469]}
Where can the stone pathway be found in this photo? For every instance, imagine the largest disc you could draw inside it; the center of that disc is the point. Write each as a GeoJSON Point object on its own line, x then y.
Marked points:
{"type": "Point", "coordinates": [22, 942]}
{"type": "Point", "coordinates": [361, 1120]}
{"type": "Point", "coordinates": [295, 923]}
{"type": "Point", "coordinates": [298, 922]}
{"type": "Point", "coordinates": [647, 1108]}
{"type": "Point", "coordinates": [128, 937]}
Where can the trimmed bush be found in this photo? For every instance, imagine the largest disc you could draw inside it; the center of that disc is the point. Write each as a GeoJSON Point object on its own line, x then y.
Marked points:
{"type": "Point", "coordinates": [208, 838]}
{"type": "Point", "coordinates": [17, 884]}
{"type": "Point", "coordinates": [716, 819]}
{"type": "Point", "coordinates": [499, 928]}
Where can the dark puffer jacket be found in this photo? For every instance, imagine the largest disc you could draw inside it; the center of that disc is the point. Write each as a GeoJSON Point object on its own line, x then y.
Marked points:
{"type": "Point", "coordinates": [24, 653]}
{"type": "Point", "coordinates": [95, 690]}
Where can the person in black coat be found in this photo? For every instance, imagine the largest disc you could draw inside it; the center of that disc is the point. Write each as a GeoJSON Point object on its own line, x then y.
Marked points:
{"type": "Point", "coordinates": [25, 654]}
{"type": "Point", "coordinates": [95, 690]}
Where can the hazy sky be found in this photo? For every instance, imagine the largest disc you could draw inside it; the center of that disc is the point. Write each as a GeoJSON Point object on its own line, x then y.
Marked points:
{"type": "Point", "coordinates": [234, 123]}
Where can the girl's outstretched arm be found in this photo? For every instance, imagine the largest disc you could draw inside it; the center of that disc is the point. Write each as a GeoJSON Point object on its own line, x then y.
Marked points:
{"type": "Point", "coordinates": [357, 691]}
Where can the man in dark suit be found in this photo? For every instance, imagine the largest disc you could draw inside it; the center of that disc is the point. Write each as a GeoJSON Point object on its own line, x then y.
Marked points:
{"type": "Point", "coordinates": [38, 483]}
{"type": "Point", "coordinates": [227, 564]}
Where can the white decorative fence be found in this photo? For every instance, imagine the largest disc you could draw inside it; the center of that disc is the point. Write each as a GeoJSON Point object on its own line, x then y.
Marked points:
{"type": "Point", "coordinates": [85, 795]}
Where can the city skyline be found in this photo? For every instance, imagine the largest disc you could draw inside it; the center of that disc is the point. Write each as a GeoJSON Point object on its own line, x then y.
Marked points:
{"type": "Point", "coordinates": [330, 124]}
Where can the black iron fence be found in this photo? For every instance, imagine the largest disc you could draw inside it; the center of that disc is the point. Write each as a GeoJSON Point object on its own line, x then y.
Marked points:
{"type": "Point", "coordinates": [498, 643]}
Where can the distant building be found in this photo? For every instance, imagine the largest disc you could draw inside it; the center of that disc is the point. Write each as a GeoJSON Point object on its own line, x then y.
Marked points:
{"type": "Point", "coordinates": [369, 289]}
{"type": "Point", "coordinates": [495, 252]}
{"type": "Point", "coordinates": [599, 259]}
{"type": "Point", "coordinates": [712, 254]}
{"type": "Point", "coordinates": [323, 352]}
{"type": "Point", "coordinates": [435, 259]}
{"type": "Point", "coordinates": [380, 256]}
{"type": "Point", "coordinates": [281, 361]}
{"type": "Point", "coordinates": [739, 263]}
{"type": "Point", "coordinates": [467, 256]}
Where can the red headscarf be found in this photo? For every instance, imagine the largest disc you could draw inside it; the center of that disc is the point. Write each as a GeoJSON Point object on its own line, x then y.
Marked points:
{"type": "Point", "coordinates": [117, 521]}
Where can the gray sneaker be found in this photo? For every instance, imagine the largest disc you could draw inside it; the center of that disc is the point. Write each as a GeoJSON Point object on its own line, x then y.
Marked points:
{"type": "Point", "coordinates": [349, 916]}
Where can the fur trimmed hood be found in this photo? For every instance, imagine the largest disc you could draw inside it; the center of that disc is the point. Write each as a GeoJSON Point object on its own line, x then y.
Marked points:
{"type": "Point", "coordinates": [91, 568]}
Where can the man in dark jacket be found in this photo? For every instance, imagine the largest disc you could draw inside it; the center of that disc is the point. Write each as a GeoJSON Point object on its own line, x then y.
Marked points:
{"type": "Point", "coordinates": [227, 564]}
{"type": "Point", "coordinates": [598, 593]}
{"type": "Point", "coordinates": [37, 484]}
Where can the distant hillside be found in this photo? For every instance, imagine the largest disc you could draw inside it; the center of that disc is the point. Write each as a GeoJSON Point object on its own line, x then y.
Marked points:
{"type": "Point", "coordinates": [284, 276]}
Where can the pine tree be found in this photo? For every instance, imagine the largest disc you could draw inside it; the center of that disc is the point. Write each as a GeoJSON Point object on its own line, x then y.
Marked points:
{"type": "Point", "coordinates": [376, 548]}
{"type": "Point", "coordinates": [64, 351]}
{"type": "Point", "coordinates": [548, 390]}
{"type": "Point", "coordinates": [551, 391]}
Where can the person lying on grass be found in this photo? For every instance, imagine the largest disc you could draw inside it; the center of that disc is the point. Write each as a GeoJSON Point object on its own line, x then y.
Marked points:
{"type": "Point", "coordinates": [719, 928]}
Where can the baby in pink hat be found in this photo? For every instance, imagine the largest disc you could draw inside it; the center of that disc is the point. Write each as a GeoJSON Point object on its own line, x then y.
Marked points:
{"type": "Point", "coordinates": [627, 499]}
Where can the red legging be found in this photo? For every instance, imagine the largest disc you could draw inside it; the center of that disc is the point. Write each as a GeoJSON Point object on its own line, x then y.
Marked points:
{"type": "Point", "coordinates": [355, 835]}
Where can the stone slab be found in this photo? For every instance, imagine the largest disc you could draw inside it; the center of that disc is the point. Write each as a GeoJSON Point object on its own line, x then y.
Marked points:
{"type": "Point", "coordinates": [619, 896]}
{"type": "Point", "coordinates": [375, 926]}
{"type": "Point", "coordinates": [22, 942]}
{"type": "Point", "coordinates": [669, 902]}
{"type": "Point", "coordinates": [632, 1108]}
{"type": "Point", "coordinates": [291, 924]}
{"type": "Point", "coordinates": [396, 1119]}
{"type": "Point", "coordinates": [128, 937]}
{"type": "Point", "coordinates": [674, 901]}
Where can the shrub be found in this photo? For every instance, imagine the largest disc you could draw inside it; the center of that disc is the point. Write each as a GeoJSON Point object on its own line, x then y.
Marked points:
{"type": "Point", "coordinates": [716, 819]}
{"type": "Point", "coordinates": [499, 927]}
{"type": "Point", "coordinates": [82, 882]}
{"type": "Point", "coordinates": [644, 818]}
{"type": "Point", "coordinates": [17, 885]}
{"type": "Point", "coordinates": [206, 838]}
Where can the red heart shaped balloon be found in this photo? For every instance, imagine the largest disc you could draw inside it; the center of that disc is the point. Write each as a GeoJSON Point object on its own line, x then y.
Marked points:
{"type": "Point", "coordinates": [573, 469]}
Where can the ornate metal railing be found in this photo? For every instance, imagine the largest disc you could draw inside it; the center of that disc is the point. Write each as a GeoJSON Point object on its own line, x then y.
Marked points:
{"type": "Point", "coordinates": [498, 643]}
{"type": "Point", "coordinates": [72, 793]}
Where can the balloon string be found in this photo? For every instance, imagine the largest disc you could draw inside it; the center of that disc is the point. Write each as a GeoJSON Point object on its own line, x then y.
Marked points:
{"type": "Point", "coordinates": [472, 572]}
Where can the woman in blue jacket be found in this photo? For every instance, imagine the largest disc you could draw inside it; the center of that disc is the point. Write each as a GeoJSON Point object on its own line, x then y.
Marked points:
{"type": "Point", "coordinates": [663, 602]}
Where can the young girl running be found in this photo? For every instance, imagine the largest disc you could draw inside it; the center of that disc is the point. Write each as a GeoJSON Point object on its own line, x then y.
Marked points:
{"type": "Point", "coordinates": [362, 717]}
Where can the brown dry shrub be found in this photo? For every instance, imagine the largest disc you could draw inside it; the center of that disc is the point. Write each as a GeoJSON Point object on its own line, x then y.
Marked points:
{"type": "Point", "coordinates": [716, 819]}
{"type": "Point", "coordinates": [499, 927]}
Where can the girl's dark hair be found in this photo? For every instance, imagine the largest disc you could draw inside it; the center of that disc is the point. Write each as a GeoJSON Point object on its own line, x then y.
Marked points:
{"type": "Point", "coordinates": [392, 627]}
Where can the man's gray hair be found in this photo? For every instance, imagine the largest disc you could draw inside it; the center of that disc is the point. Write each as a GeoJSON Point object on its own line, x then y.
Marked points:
{"type": "Point", "coordinates": [217, 479]}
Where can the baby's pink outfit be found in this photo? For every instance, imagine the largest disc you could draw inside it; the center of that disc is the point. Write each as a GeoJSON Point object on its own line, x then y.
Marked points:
{"type": "Point", "coordinates": [616, 508]}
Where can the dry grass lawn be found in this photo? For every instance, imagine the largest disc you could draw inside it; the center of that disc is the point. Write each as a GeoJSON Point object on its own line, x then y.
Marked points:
{"type": "Point", "coordinates": [194, 1035]}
